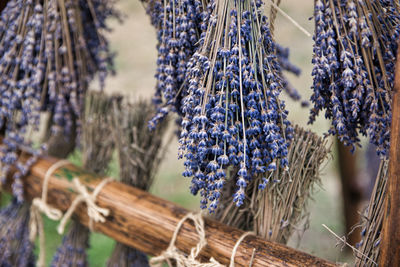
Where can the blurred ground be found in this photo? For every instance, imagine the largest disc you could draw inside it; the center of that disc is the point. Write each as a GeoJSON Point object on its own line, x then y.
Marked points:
{"type": "Point", "coordinates": [134, 41]}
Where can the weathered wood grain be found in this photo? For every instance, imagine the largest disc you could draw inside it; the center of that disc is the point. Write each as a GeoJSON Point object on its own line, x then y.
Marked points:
{"type": "Point", "coordinates": [390, 244]}
{"type": "Point", "coordinates": [352, 192]}
{"type": "Point", "coordinates": [146, 222]}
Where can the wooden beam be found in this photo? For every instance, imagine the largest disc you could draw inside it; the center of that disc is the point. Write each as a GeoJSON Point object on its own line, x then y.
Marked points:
{"type": "Point", "coordinates": [390, 244]}
{"type": "Point", "coordinates": [146, 222]}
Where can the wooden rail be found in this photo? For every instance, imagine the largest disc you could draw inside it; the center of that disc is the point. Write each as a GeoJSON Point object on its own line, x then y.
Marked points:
{"type": "Point", "coordinates": [146, 222]}
{"type": "Point", "coordinates": [390, 243]}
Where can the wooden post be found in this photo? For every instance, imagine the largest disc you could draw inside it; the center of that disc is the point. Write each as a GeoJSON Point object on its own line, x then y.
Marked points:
{"type": "Point", "coordinates": [390, 243]}
{"type": "Point", "coordinates": [352, 192]}
{"type": "Point", "coordinates": [141, 220]}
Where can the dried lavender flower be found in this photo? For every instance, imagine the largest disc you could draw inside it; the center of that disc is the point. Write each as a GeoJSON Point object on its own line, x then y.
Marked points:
{"type": "Point", "coordinates": [354, 53]}
{"type": "Point", "coordinates": [49, 51]}
{"type": "Point", "coordinates": [72, 251]}
{"type": "Point", "coordinates": [178, 24]}
{"type": "Point", "coordinates": [15, 247]}
{"type": "Point", "coordinates": [232, 114]}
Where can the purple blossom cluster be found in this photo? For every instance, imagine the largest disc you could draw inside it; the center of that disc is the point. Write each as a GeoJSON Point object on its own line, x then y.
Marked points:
{"type": "Point", "coordinates": [354, 54]}
{"type": "Point", "coordinates": [15, 246]}
{"type": "Point", "coordinates": [282, 54]}
{"type": "Point", "coordinates": [179, 24]}
{"type": "Point", "coordinates": [72, 251]}
{"type": "Point", "coordinates": [232, 114]}
{"type": "Point", "coordinates": [181, 27]}
{"type": "Point", "coordinates": [49, 52]}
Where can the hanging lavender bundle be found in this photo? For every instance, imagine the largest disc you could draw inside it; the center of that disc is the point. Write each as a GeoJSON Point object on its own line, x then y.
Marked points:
{"type": "Point", "coordinates": [178, 24]}
{"type": "Point", "coordinates": [140, 155]}
{"type": "Point", "coordinates": [232, 115]}
{"type": "Point", "coordinates": [49, 51]}
{"type": "Point", "coordinates": [354, 54]}
{"type": "Point", "coordinates": [97, 149]}
{"type": "Point", "coordinates": [15, 246]}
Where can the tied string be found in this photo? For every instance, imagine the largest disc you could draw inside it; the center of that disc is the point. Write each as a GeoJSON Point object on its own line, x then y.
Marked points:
{"type": "Point", "coordinates": [39, 205]}
{"type": "Point", "coordinates": [235, 248]}
{"type": "Point", "coordinates": [172, 252]}
{"type": "Point", "coordinates": [95, 213]}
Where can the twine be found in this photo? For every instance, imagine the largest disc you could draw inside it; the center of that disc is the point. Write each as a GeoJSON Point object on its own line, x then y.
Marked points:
{"type": "Point", "coordinates": [95, 213]}
{"type": "Point", "coordinates": [294, 22]}
{"type": "Point", "coordinates": [242, 237]}
{"type": "Point", "coordinates": [39, 205]}
{"type": "Point", "coordinates": [181, 259]}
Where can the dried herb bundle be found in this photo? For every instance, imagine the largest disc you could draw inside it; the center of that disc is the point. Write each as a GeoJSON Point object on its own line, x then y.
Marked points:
{"type": "Point", "coordinates": [139, 153]}
{"type": "Point", "coordinates": [15, 246]}
{"type": "Point", "coordinates": [181, 25]}
{"type": "Point", "coordinates": [97, 149]}
{"type": "Point", "coordinates": [277, 211]}
{"type": "Point", "coordinates": [72, 252]}
{"type": "Point", "coordinates": [49, 51]}
{"type": "Point", "coordinates": [232, 114]}
{"type": "Point", "coordinates": [178, 24]}
{"type": "Point", "coordinates": [372, 221]}
{"type": "Point", "coordinates": [97, 140]}
{"type": "Point", "coordinates": [354, 55]}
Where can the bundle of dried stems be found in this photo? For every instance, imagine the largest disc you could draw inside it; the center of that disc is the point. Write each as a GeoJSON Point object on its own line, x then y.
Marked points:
{"type": "Point", "coordinates": [139, 154]}
{"type": "Point", "coordinates": [97, 150]}
{"type": "Point", "coordinates": [372, 220]}
{"type": "Point", "coordinates": [278, 210]}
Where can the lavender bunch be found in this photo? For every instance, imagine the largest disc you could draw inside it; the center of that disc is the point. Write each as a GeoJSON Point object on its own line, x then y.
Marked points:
{"type": "Point", "coordinates": [178, 24]}
{"type": "Point", "coordinates": [15, 246]}
{"type": "Point", "coordinates": [232, 115]}
{"type": "Point", "coordinates": [140, 153]}
{"type": "Point", "coordinates": [97, 149]}
{"type": "Point", "coordinates": [354, 54]}
{"type": "Point", "coordinates": [73, 250]}
{"type": "Point", "coordinates": [49, 51]}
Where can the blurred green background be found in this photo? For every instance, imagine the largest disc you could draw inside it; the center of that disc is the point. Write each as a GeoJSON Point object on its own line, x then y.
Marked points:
{"type": "Point", "coordinates": [135, 44]}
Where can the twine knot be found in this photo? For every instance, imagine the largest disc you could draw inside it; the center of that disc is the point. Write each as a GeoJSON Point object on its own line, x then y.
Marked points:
{"type": "Point", "coordinates": [172, 252]}
{"type": "Point", "coordinates": [42, 207]}
{"type": "Point", "coordinates": [181, 259]}
{"type": "Point", "coordinates": [39, 206]}
{"type": "Point", "coordinates": [95, 213]}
